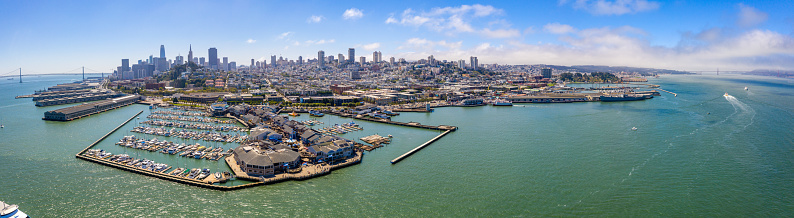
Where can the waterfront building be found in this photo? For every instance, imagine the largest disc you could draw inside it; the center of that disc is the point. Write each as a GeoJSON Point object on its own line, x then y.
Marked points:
{"type": "Point", "coordinates": [252, 161]}
{"type": "Point", "coordinates": [82, 110]}
{"type": "Point", "coordinates": [321, 58]}
{"type": "Point", "coordinates": [351, 55]}
{"type": "Point", "coordinates": [162, 51]}
{"type": "Point", "coordinates": [213, 58]}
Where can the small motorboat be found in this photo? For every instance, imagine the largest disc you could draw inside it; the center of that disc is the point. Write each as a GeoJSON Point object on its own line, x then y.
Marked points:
{"type": "Point", "coordinates": [745, 88]}
{"type": "Point", "coordinates": [634, 128]}
{"type": "Point", "coordinates": [726, 95]}
{"type": "Point", "coordinates": [217, 175]}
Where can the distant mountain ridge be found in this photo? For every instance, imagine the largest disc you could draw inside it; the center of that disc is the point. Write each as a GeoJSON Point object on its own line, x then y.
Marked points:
{"type": "Point", "coordinates": [616, 69]}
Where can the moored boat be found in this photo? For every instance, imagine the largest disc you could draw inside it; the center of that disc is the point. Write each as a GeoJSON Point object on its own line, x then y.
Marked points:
{"type": "Point", "coordinates": [11, 211]}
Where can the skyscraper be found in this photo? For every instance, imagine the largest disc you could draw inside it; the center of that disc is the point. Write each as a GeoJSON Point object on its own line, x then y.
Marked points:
{"type": "Point", "coordinates": [213, 58]}
{"type": "Point", "coordinates": [201, 61]}
{"type": "Point", "coordinates": [363, 60]}
{"type": "Point", "coordinates": [273, 60]}
{"type": "Point", "coordinates": [473, 63]}
{"type": "Point", "coordinates": [461, 64]}
{"type": "Point", "coordinates": [546, 73]}
{"type": "Point", "coordinates": [179, 60]}
{"type": "Point", "coordinates": [125, 65]}
{"type": "Point", "coordinates": [162, 51]}
{"type": "Point", "coordinates": [190, 54]}
{"type": "Point", "coordinates": [300, 60]}
{"type": "Point", "coordinates": [374, 57]}
{"type": "Point", "coordinates": [341, 58]}
{"type": "Point", "coordinates": [252, 64]}
{"type": "Point", "coordinates": [391, 60]}
{"type": "Point", "coordinates": [351, 55]}
{"type": "Point", "coordinates": [321, 58]}
{"type": "Point", "coordinates": [226, 63]}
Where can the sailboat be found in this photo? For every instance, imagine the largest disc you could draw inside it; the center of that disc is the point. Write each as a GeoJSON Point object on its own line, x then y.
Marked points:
{"type": "Point", "coordinates": [745, 88]}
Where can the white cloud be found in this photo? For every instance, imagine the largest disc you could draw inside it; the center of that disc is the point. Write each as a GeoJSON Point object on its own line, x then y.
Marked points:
{"type": "Point", "coordinates": [319, 42]}
{"type": "Point", "coordinates": [500, 33]}
{"type": "Point", "coordinates": [615, 7]}
{"type": "Point", "coordinates": [625, 46]}
{"type": "Point", "coordinates": [557, 28]}
{"type": "Point", "coordinates": [284, 35]}
{"type": "Point", "coordinates": [352, 14]}
{"type": "Point", "coordinates": [249, 41]}
{"type": "Point", "coordinates": [371, 46]}
{"type": "Point", "coordinates": [750, 16]}
{"type": "Point", "coordinates": [315, 19]}
{"type": "Point", "coordinates": [452, 20]}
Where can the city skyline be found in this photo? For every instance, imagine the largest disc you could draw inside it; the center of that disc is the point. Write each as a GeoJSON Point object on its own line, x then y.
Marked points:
{"type": "Point", "coordinates": [703, 35]}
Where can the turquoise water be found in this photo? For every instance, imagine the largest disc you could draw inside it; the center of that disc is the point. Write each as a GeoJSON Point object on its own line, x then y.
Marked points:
{"type": "Point", "coordinates": [698, 154]}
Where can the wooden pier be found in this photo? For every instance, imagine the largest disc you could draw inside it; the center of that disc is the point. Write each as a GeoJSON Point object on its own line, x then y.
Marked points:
{"type": "Point", "coordinates": [409, 153]}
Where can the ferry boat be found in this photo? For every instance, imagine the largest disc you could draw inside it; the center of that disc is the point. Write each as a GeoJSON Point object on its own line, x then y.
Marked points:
{"type": "Point", "coordinates": [623, 97]}
{"type": "Point", "coordinates": [502, 103]}
{"type": "Point", "coordinates": [11, 211]}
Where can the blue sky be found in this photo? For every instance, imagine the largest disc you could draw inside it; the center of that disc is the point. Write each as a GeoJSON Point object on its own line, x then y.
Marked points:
{"type": "Point", "coordinates": [59, 36]}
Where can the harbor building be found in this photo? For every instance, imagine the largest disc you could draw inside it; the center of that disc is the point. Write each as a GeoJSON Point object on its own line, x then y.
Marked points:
{"type": "Point", "coordinates": [79, 111]}
{"type": "Point", "coordinates": [94, 96]}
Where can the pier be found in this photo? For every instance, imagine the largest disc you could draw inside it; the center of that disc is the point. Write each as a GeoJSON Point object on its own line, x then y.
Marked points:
{"type": "Point", "coordinates": [408, 124]}
{"type": "Point", "coordinates": [409, 153]}
{"type": "Point", "coordinates": [674, 95]}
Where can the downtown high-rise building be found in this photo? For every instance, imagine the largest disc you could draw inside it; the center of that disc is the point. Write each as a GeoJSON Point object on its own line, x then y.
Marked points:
{"type": "Point", "coordinates": [190, 54]}
{"type": "Point", "coordinates": [546, 72]}
{"type": "Point", "coordinates": [162, 51]}
{"type": "Point", "coordinates": [300, 60]}
{"type": "Point", "coordinates": [374, 57]}
{"type": "Point", "coordinates": [321, 58]}
{"type": "Point", "coordinates": [391, 61]}
{"type": "Point", "coordinates": [461, 64]}
{"type": "Point", "coordinates": [363, 60]}
{"type": "Point", "coordinates": [179, 60]}
{"type": "Point", "coordinates": [431, 60]}
{"type": "Point", "coordinates": [201, 61]}
{"type": "Point", "coordinates": [341, 58]}
{"type": "Point", "coordinates": [226, 64]}
{"type": "Point", "coordinates": [252, 64]}
{"type": "Point", "coordinates": [273, 60]}
{"type": "Point", "coordinates": [213, 58]}
{"type": "Point", "coordinates": [125, 65]}
{"type": "Point", "coordinates": [351, 55]}
{"type": "Point", "coordinates": [473, 62]}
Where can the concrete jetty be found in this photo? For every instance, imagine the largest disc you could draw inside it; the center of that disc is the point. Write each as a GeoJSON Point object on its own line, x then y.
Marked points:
{"type": "Point", "coordinates": [409, 153]}
{"type": "Point", "coordinates": [408, 124]}
{"type": "Point", "coordinates": [675, 95]}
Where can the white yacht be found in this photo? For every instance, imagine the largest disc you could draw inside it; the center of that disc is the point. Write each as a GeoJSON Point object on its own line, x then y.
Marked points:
{"type": "Point", "coordinates": [11, 211]}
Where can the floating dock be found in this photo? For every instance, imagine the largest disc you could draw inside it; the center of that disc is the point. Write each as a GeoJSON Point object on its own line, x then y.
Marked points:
{"type": "Point", "coordinates": [409, 153]}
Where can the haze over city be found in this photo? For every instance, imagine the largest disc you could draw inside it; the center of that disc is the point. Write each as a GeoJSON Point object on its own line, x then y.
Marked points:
{"type": "Point", "coordinates": [678, 35]}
